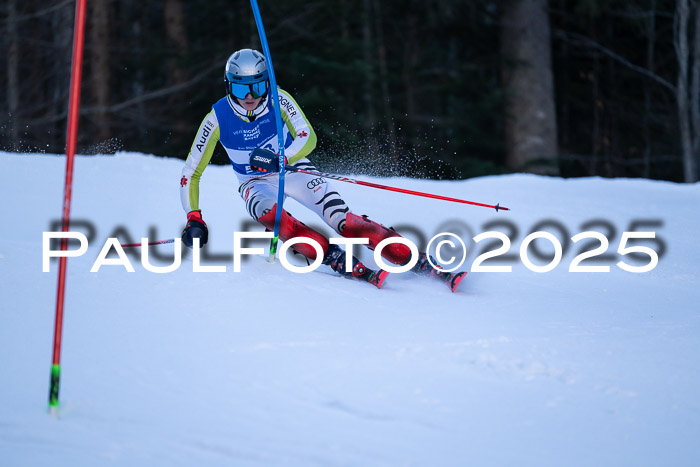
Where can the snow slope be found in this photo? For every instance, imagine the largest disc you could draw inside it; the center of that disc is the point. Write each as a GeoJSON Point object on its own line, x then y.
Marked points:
{"type": "Point", "coordinates": [271, 368]}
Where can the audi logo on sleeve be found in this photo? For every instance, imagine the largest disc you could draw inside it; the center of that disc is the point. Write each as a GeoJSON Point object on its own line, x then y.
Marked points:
{"type": "Point", "coordinates": [315, 182]}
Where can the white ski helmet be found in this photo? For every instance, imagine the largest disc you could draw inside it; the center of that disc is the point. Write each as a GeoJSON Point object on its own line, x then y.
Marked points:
{"type": "Point", "coordinates": [246, 73]}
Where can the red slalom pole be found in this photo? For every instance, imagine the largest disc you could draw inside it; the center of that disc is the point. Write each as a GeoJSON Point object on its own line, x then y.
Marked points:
{"type": "Point", "coordinates": [72, 136]}
{"type": "Point", "coordinates": [497, 207]}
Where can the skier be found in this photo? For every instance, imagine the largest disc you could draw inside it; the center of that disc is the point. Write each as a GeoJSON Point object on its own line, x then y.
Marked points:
{"type": "Point", "coordinates": [243, 121]}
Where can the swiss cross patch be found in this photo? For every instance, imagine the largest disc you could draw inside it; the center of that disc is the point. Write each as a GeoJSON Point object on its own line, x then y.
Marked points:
{"type": "Point", "coordinates": [303, 134]}
{"type": "Point", "coordinates": [183, 181]}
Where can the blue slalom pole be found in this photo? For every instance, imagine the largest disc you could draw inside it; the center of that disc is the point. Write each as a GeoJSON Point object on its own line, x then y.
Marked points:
{"type": "Point", "coordinates": [278, 121]}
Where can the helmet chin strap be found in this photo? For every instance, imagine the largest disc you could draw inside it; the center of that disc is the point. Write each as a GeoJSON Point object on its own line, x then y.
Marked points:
{"type": "Point", "coordinates": [249, 115]}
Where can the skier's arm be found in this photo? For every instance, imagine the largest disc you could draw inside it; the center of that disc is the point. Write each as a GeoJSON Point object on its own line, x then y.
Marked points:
{"type": "Point", "coordinates": [299, 127]}
{"type": "Point", "coordinates": [198, 159]}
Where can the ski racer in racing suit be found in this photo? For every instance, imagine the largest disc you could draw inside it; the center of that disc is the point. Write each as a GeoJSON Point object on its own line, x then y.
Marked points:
{"type": "Point", "coordinates": [244, 120]}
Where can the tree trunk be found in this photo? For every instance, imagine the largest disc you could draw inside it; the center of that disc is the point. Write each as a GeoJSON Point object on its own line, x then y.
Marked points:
{"type": "Point", "coordinates": [695, 93]}
{"type": "Point", "coordinates": [12, 71]}
{"type": "Point", "coordinates": [176, 29]}
{"type": "Point", "coordinates": [384, 78]}
{"type": "Point", "coordinates": [594, 77]}
{"type": "Point", "coordinates": [63, 22]}
{"type": "Point", "coordinates": [345, 9]}
{"type": "Point", "coordinates": [369, 81]}
{"type": "Point", "coordinates": [651, 39]}
{"type": "Point", "coordinates": [410, 61]}
{"type": "Point", "coordinates": [530, 128]}
{"type": "Point", "coordinates": [680, 26]}
{"type": "Point", "coordinates": [100, 60]}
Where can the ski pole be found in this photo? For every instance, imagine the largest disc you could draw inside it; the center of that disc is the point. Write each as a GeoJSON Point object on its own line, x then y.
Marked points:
{"type": "Point", "coordinates": [278, 124]}
{"type": "Point", "coordinates": [159, 242]}
{"type": "Point", "coordinates": [340, 178]}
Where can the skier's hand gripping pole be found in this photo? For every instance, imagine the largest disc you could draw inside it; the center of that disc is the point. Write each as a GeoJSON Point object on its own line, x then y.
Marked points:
{"type": "Point", "coordinates": [196, 228]}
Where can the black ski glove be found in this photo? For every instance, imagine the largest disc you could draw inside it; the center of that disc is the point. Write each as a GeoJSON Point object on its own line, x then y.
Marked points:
{"type": "Point", "coordinates": [196, 228]}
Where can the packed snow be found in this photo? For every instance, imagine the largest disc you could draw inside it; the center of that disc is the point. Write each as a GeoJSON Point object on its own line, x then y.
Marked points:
{"type": "Point", "coordinates": [266, 367]}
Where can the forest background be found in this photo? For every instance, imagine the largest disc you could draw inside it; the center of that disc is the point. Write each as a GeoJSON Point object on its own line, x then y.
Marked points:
{"type": "Point", "coordinates": [439, 89]}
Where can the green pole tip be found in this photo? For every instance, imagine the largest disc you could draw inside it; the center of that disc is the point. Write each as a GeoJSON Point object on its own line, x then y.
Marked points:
{"type": "Point", "coordinates": [273, 250]}
{"type": "Point", "coordinates": [54, 385]}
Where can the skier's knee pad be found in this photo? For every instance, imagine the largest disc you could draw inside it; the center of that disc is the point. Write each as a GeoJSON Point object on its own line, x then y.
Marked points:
{"type": "Point", "coordinates": [291, 228]}
{"type": "Point", "coordinates": [363, 227]}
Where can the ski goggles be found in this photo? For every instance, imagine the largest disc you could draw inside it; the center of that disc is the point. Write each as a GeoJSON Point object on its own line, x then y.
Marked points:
{"type": "Point", "coordinates": [240, 90]}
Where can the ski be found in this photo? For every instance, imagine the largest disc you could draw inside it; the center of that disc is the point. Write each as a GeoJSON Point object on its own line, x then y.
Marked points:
{"type": "Point", "coordinates": [452, 280]}
{"type": "Point", "coordinates": [335, 258]}
{"type": "Point", "coordinates": [426, 266]}
{"type": "Point", "coordinates": [362, 273]}
{"type": "Point", "coordinates": [376, 278]}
